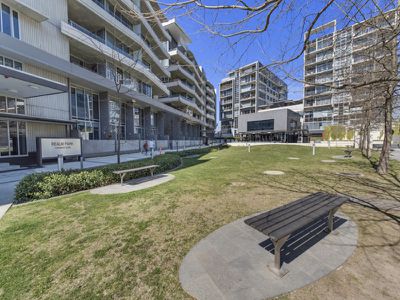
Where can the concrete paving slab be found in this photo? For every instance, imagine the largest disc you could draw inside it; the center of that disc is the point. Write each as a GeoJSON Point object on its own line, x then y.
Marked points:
{"type": "Point", "coordinates": [133, 185]}
{"type": "Point", "coordinates": [273, 173]}
{"type": "Point", "coordinates": [232, 261]}
{"type": "Point", "coordinates": [4, 208]}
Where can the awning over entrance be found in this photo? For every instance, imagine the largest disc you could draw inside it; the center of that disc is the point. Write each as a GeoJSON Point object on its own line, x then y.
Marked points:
{"type": "Point", "coordinates": [20, 84]}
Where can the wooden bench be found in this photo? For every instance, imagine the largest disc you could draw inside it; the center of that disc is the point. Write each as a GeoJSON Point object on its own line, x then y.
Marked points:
{"type": "Point", "coordinates": [281, 222]}
{"type": "Point", "coordinates": [122, 173]}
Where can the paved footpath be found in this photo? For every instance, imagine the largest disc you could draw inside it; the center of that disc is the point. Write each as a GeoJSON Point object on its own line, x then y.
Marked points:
{"type": "Point", "coordinates": [395, 154]}
{"type": "Point", "coordinates": [9, 180]}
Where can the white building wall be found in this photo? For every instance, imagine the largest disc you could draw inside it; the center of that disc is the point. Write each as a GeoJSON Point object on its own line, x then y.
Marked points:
{"type": "Point", "coordinates": [39, 34]}
{"type": "Point", "coordinates": [35, 130]}
{"type": "Point", "coordinates": [52, 106]}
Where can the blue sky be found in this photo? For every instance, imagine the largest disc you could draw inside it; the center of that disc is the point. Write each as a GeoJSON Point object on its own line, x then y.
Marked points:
{"type": "Point", "coordinates": [282, 40]}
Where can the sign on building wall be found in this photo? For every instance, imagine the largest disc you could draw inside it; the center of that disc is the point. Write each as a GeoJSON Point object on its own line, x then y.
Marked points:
{"type": "Point", "coordinates": [53, 147]}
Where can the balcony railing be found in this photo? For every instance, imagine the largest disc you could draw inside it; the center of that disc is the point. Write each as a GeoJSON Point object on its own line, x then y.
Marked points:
{"type": "Point", "coordinates": [112, 46]}
{"type": "Point", "coordinates": [87, 32]}
{"type": "Point", "coordinates": [128, 25]}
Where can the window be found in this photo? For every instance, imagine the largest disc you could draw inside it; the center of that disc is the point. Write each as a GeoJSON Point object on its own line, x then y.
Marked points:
{"type": "Point", "coordinates": [146, 89]}
{"type": "Point", "coordinates": [5, 19]}
{"type": "Point", "coordinates": [85, 109]}
{"type": "Point", "coordinates": [9, 21]}
{"type": "Point", "coordinates": [12, 138]}
{"type": "Point", "coordinates": [16, 24]}
{"type": "Point", "coordinates": [115, 114]}
{"type": "Point", "coordinates": [12, 105]}
{"type": "Point", "coordinates": [10, 63]}
{"type": "Point", "coordinates": [3, 104]}
{"type": "Point", "coordinates": [138, 121]}
{"type": "Point", "coordinates": [260, 125]}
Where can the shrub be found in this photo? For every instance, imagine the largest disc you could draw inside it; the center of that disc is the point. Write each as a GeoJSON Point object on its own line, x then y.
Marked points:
{"type": "Point", "coordinates": [200, 151]}
{"type": "Point", "coordinates": [51, 184]}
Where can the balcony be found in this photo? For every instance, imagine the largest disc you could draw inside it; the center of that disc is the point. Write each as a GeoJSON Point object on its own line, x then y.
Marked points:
{"type": "Point", "coordinates": [226, 116]}
{"type": "Point", "coordinates": [211, 117]}
{"type": "Point", "coordinates": [160, 49]}
{"type": "Point", "coordinates": [103, 15]}
{"type": "Point", "coordinates": [210, 90]}
{"type": "Point", "coordinates": [98, 45]}
{"type": "Point", "coordinates": [181, 100]}
{"type": "Point", "coordinates": [318, 103]}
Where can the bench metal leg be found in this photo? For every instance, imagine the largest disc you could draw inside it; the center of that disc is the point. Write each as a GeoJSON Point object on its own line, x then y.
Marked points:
{"type": "Point", "coordinates": [122, 178]}
{"type": "Point", "coordinates": [331, 216]}
{"type": "Point", "coordinates": [276, 268]}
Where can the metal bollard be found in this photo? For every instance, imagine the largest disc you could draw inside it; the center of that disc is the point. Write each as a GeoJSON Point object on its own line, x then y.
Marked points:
{"type": "Point", "coordinates": [60, 160]}
{"type": "Point", "coordinates": [313, 148]}
{"type": "Point", "coordinates": [81, 160]}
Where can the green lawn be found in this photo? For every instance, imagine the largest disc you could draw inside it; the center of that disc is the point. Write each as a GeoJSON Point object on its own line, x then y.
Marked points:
{"type": "Point", "coordinates": [131, 246]}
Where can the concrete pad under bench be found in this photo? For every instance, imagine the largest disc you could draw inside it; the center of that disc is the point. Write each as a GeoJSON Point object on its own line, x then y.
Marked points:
{"type": "Point", "coordinates": [231, 262]}
{"type": "Point", "coordinates": [133, 185]}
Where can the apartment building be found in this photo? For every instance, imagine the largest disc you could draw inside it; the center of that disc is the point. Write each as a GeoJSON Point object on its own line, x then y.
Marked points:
{"type": "Point", "coordinates": [247, 90]}
{"type": "Point", "coordinates": [92, 68]}
{"type": "Point", "coordinates": [335, 57]}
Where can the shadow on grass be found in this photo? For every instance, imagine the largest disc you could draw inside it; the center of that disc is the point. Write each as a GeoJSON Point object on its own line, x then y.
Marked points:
{"type": "Point", "coordinates": [303, 239]}
{"type": "Point", "coordinates": [379, 194]}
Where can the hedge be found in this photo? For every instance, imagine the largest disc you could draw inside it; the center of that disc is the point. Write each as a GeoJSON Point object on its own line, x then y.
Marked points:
{"type": "Point", "coordinates": [50, 184]}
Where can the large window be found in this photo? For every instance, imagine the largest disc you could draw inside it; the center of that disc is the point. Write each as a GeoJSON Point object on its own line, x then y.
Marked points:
{"type": "Point", "coordinates": [9, 21]}
{"type": "Point", "coordinates": [12, 138]}
{"type": "Point", "coordinates": [260, 125]}
{"type": "Point", "coordinates": [138, 121]}
{"type": "Point", "coordinates": [8, 62]}
{"type": "Point", "coordinates": [12, 105]}
{"type": "Point", "coordinates": [117, 113]}
{"type": "Point", "coordinates": [85, 109]}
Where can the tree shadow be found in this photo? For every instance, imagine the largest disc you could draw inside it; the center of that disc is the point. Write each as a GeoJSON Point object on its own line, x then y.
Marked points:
{"type": "Point", "coordinates": [381, 195]}
{"type": "Point", "coordinates": [303, 239]}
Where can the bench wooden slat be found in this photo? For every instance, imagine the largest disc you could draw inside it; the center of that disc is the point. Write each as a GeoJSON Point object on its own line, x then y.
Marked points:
{"type": "Point", "coordinates": [135, 169]}
{"type": "Point", "coordinates": [279, 220]}
{"type": "Point", "coordinates": [270, 215]}
{"type": "Point", "coordinates": [305, 220]}
{"type": "Point", "coordinates": [283, 221]}
{"type": "Point", "coordinates": [290, 217]}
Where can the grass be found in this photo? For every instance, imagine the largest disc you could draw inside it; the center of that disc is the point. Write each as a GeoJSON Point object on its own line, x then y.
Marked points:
{"type": "Point", "coordinates": [131, 245]}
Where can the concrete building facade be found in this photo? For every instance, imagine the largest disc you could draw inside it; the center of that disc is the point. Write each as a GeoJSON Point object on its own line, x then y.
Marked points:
{"type": "Point", "coordinates": [334, 57]}
{"type": "Point", "coordinates": [279, 124]}
{"type": "Point", "coordinates": [96, 68]}
{"type": "Point", "coordinates": [247, 90]}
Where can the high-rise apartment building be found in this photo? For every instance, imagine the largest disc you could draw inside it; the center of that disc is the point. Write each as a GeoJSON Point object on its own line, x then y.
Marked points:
{"type": "Point", "coordinates": [247, 90]}
{"type": "Point", "coordinates": [334, 58]}
{"type": "Point", "coordinates": [61, 62]}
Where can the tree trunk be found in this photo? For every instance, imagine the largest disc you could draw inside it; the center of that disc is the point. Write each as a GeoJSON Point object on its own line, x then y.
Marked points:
{"type": "Point", "coordinates": [119, 134]}
{"type": "Point", "coordinates": [383, 164]}
{"type": "Point", "coordinates": [362, 139]}
{"type": "Point", "coordinates": [368, 141]}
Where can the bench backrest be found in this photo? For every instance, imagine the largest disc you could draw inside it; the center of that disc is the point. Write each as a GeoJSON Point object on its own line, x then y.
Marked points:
{"type": "Point", "coordinates": [136, 169]}
{"type": "Point", "coordinates": [288, 218]}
